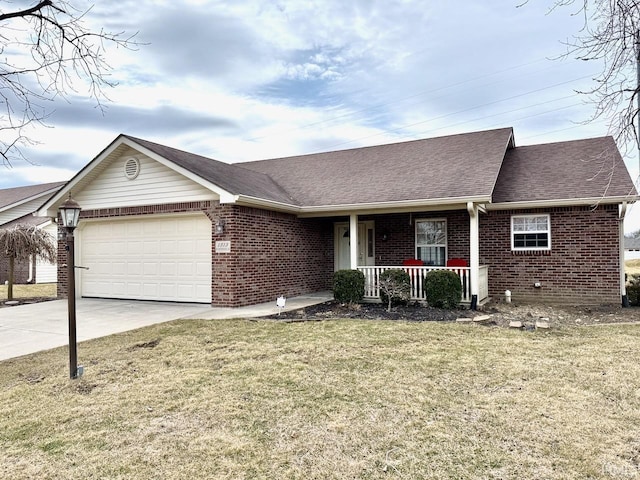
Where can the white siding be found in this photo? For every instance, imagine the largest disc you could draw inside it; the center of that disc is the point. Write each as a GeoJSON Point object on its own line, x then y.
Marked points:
{"type": "Point", "coordinates": [48, 272]}
{"type": "Point", "coordinates": [155, 184]}
{"type": "Point", "coordinates": [20, 210]}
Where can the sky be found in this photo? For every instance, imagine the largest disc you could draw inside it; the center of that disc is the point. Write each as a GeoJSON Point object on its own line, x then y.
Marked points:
{"type": "Point", "coordinates": [254, 79]}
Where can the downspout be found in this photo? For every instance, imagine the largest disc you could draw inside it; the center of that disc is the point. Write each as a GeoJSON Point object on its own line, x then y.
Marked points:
{"type": "Point", "coordinates": [474, 253]}
{"type": "Point", "coordinates": [623, 282]}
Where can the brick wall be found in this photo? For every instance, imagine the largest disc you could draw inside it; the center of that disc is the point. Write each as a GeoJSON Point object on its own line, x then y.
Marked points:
{"type": "Point", "coordinates": [20, 271]}
{"type": "Point", "coordinates": [271, 253]}
{"type": "Point", "coordinates": [582, 266]}
{"type": "Point", "coordinates": [400, 230]}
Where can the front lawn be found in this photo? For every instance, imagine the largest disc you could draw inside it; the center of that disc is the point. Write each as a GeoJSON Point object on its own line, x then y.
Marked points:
{"type": "Point", "coordinates": [39, 290]}
{"type": "Point", "coordinates": [331, 399]}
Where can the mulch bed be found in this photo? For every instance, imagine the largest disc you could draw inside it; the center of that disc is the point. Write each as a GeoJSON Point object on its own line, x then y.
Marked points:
{"type": "Point", "coordinates": [501, 314]}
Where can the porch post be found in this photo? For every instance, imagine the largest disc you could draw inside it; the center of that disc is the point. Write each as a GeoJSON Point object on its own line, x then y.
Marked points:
{"type": "Point", "coordinates": [474, 252]}
{"type": "Point", "coordinates": [353, 240]}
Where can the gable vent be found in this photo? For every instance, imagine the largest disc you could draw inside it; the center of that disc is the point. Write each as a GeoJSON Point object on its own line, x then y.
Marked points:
{"type": "Point", "coordinates": [131, 168]}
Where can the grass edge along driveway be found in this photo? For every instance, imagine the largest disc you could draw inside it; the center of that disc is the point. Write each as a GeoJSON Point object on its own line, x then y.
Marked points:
{"type": "Point", "coordinates": [332, 399]}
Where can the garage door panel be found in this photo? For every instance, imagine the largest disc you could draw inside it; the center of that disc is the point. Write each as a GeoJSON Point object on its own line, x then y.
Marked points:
{"type": "Point", "coordinates": [149, 259]}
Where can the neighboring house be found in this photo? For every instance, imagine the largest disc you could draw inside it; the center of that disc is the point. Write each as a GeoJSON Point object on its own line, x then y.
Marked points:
{"type": "Point", "coordinates": [16, 207]}
{"type": "Point", "coordinates": [631, 248]}
{"type": "Point", "coordinates": [544, 221]}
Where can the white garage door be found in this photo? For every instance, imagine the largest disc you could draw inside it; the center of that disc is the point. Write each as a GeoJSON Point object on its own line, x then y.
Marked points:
{"type": "Point", "coordinates": [166, 258]}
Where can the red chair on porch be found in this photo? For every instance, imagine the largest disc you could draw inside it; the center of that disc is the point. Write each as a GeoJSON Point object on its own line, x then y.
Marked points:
{"type": "Point", "coordinates": [412, 262]}
{"type": "Point", "coordinates": [457, 262]}
{"type": "Point", "coordinates": [460, 262]}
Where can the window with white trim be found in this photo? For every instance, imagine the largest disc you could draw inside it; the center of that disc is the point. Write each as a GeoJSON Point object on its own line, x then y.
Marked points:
{"type": "Point", "coordinates": [431, 241]}
{"type": "Point", "coordinates": [530, 232]}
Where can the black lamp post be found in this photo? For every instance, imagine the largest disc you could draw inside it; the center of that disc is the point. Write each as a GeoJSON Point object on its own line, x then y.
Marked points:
{"type": "Point", "coordinates": [70, 212]}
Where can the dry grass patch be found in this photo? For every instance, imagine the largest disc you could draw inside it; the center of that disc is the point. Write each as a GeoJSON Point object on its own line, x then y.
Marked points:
{"type": "Point", "coordinates": [39, 290]}
{"type": "Point", "coordinates": [332, 399]}
{"type": "Point", "coordinates": [632, 267]}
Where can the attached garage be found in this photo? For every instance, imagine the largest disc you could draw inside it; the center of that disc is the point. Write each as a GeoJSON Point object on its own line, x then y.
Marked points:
{"type": "Point", "coordinates": [165, 258]}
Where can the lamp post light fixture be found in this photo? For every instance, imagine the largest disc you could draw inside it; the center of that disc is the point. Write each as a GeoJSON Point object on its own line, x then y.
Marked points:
{"type": "Point", "coordinates": [70, 213]}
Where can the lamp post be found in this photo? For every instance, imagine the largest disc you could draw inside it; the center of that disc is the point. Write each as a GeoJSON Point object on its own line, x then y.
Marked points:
{"type": "Point", "coordinates": [70, 212]}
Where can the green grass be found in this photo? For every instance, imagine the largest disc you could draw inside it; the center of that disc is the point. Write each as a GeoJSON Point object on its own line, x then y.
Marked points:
{"type": "Point", "coordinates": [333, 399]}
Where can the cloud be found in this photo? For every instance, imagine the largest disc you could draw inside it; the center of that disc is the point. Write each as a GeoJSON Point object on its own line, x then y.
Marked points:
{"type": "Point", "coordinates": [158, 120]}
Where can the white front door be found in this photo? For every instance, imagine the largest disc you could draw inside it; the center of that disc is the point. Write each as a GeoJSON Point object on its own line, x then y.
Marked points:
{"type": "Point", "coordinates": [366, 245]}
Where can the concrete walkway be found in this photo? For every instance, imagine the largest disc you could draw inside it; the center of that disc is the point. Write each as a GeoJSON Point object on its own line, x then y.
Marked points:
{"type": "Point", "coordinates": [31, 328]}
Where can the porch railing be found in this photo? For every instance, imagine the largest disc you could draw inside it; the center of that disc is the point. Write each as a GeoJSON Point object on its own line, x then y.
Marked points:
{"type": "Point", "coordinates": [416, 274]}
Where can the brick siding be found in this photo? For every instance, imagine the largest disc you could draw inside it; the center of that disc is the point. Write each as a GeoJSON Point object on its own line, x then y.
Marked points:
{"type": "Point", "coordinates": [582, 266]}
{"type": "Point", "coordinates": [400, 231]}
{"type": "Point", "coordinates": [271, 253]}
{"type": "Point", "coordinates": [275, 253]}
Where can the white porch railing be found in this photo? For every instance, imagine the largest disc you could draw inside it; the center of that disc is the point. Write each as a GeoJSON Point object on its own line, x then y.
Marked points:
{"type": "Point", "coordinates": [416, 274]}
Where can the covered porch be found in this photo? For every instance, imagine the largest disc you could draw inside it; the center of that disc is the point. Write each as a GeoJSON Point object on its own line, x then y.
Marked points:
{"type": "Point", "coordinates": [416, 242]}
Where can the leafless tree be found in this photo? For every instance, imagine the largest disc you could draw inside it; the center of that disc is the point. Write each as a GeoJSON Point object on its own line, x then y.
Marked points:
{"type": "Point", "coordinates": [46, 50]}
{"type": "Point", "coordinates": [394, 290]}
{"type": "Point", "coordinates": [611, 36]}
{"type": "Point", "coordinates": [22, 242]}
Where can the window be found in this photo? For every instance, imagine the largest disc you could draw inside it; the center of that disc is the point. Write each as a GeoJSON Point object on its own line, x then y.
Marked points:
{"type": "Point", "coordinates": [431, 241]}
{"type": "Point", "coordinates": [530, 232]}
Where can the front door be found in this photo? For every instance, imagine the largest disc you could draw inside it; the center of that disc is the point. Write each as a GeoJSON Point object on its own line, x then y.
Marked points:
{"type": "Point", "coordinates": [366, 245]}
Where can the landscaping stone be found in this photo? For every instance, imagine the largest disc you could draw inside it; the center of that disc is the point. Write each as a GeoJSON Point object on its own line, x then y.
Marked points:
{"type": "Point", "coordinates": [464, 320]}
{"type": "Point", "coordinates": [482, 318]}
{"type": "Point", "coordinates": [542, 324]}
{"type": "Point", "coordinates": [515, 324]}
{"type": "Point", "coordinates": [11, 302]}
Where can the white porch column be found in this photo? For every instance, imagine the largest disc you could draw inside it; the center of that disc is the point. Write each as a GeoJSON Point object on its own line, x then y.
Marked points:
{"type": "Point", "coordinates": [353, 240]}
{"type": "Point", "coordinates": [474, 250]}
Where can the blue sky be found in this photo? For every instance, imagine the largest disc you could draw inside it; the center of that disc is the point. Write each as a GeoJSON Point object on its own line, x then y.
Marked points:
{"type": "Point", "coordinates": [247, 80]}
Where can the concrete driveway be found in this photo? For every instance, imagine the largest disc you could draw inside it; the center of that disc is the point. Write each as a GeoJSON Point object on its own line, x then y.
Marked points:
{"type": "Point", "coordinates": [31, 328]}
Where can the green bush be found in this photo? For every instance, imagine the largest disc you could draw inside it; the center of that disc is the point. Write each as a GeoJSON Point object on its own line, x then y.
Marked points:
{"type": "Point", "coordinates": [395, 283]}
{"type": "Point", "coordinates": [633, 290]}
{"type": "Point", "coordinates": [443, 289]}
{"type": "Point", "coordinates": [348, 286]}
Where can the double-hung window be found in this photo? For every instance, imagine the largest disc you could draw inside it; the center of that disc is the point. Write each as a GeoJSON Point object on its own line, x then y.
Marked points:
{"type": "Point", "coordinates": [530, 232]}
{"type": "Point", "coordinates": [431, 241]}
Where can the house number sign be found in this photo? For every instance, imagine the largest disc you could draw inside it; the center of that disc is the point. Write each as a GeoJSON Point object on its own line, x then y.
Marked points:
{"type": "Point", "coordinates": [223, 246]}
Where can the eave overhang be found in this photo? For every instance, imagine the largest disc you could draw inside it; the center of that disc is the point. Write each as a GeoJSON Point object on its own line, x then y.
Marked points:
{"type": "Point", "coordinates": [567, 202]}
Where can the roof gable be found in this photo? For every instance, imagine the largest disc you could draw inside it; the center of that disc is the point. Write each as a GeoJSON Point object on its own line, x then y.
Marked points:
{"type": "Point", "coordinates": [590, 169]}
{"type": "Point", "coordinates": [233, 178]}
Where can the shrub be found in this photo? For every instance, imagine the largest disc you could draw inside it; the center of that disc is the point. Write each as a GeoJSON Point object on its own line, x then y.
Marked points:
{"type": "Point", "coordinates": [443, 289]}
{"type": "Point", "coordinates": [348, 286]}
{"type": "Point", "coordinates": [633, 290]}
{"type": "Point", "coordinates": [395, 287]}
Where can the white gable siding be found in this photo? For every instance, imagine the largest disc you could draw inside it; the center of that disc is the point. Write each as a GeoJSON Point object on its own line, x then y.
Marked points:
{"type": "Point", "coordinates": [155, 184]}
{"type": "Point", "coordinates": [20, 210]}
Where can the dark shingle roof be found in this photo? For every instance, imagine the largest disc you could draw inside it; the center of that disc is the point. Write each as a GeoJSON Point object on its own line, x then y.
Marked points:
{"type": "Point", "coordinates": [9, 196]}
{"type": "Point", "coordinates": [231, 178]}
{"type": "Point", "coordinates": [579, 169]}
{"type": "Point", "coordinates": [464, 165]}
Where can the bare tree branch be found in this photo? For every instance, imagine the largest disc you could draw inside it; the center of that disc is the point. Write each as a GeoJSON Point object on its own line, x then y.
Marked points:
{"type": "Point", "coordinates": [48, 50]}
